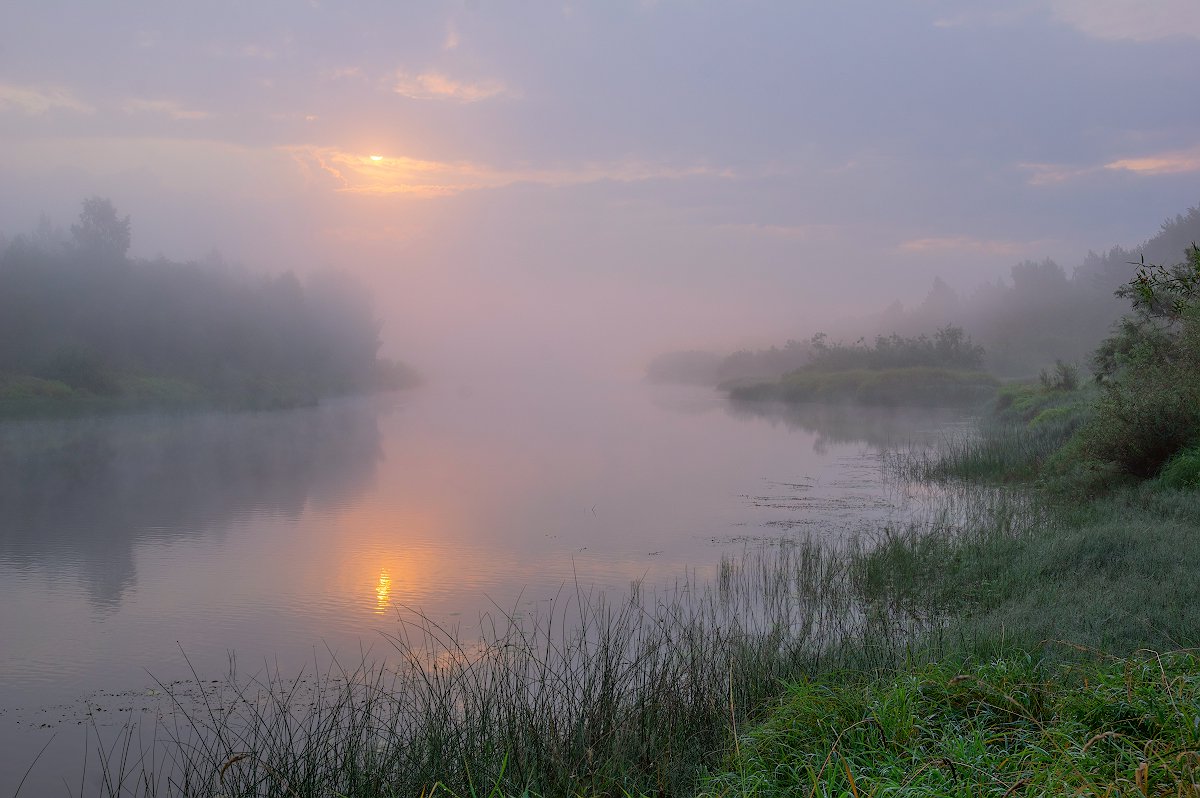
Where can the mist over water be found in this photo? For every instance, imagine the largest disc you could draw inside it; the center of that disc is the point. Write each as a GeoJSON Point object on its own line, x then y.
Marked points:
{"type": "Point", "coordinates": [276, 206]}
{"type": "Point", "coordinates": [130, 543]}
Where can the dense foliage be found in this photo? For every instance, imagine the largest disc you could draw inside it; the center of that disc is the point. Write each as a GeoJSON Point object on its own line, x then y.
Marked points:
{"type": "Point", "coordinates": [79, 318]}
{"type": "Point", "coordinates": [691, 367]}
{"type": "Point", "coordinates": [1038, 316]}
{"type": "Point", "coordinates": [898, 371]}
{"type": "Point", "coordinates": [1149, 410]}
{"type": "Point", "coordinates": [1139, 419]}
{"type": "Point", "coordinates": [916, 386]}
{"type": "Point", "coordinates": [950, 348]}
{"type": "Point", "coordinates": [1044, 312]}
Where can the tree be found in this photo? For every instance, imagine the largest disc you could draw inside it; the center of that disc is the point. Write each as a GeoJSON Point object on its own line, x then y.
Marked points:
{"type": "Point", "coordinates": [1149, 410]}
{"type": "Point", "coordinates": [100, 232]}
{"type": "Point", "coordinates": [1165, 293]}
{"type": "Point", "coordinates": [1161, 298]}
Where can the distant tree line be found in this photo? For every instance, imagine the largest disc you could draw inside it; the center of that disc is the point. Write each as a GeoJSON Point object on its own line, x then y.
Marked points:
{"type": "Point", "coordinates": [692, 367]}
{"type": "Point", "coordinates": [1041, 314]}
{"type": "Point", "coordinates": [950, 348]}
{"type": "Point", "coordinates": [1039, 317]}
{"type": "Point", "coordinates": [76, 311]}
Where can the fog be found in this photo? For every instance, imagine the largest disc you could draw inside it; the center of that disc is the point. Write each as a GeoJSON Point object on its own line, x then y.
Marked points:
{"type": "Point", "coordinates": [576, 187]}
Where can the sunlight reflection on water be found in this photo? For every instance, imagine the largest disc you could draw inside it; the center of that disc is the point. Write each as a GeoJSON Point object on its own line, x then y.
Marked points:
{"type": "Point", "coordinates": [127, 544]}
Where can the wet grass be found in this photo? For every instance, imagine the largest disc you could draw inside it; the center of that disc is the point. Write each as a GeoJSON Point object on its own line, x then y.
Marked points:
{"type": "Point", "coordinates": [1026, 430]}
{"type": "Point", "coordinates": [1003, 727]}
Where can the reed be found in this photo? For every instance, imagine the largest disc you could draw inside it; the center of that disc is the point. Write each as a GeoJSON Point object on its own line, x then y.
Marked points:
{"type": "Point", "coordinates": [596, 696]}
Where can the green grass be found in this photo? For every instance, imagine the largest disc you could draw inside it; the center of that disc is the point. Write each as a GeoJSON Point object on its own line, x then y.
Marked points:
{"type": "Point", "coordinates": [917, 386]}
{"type": "Point", "coordinates": [1002, 727]}
{"type": "Point", "coordinates": [1114, 574]}
{"type": "Point", "coordinates": [1025, 431]}
{"type": "Point", "coordinates": [1182, 471]}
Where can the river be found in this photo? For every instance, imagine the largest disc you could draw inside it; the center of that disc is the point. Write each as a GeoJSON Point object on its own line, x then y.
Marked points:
{"type": "Point", "coordinates": [144, 550]}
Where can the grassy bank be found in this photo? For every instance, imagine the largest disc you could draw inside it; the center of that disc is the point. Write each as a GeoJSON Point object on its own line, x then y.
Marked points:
{"type": "Point", "coordinates": [1033, 673]}
{"type": "Point", "coordinates": [1039, 628]}
{"type": "Point", "coordinates": [924, 386]}
{"type": "Point", "coordinates": [27, 396]}
{"type": "Point", "coordinates": [1007, 726]}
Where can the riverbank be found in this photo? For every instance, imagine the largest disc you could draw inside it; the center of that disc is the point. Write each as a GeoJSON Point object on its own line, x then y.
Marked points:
{"type": "Point", "coordinates": [26, 396]}
{"type": "Point", "coordinates": [1039, 673]}
{"type": "Point", "coordinates": [920, 386]}
{"type": "Point", "coordinates": [1011, 725]}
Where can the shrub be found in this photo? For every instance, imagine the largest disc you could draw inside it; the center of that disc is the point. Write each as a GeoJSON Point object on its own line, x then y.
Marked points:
{"type": "Point", "coordinates": [1151, 412]}
{"type": "Point", "coordinates": [83, 370]}
{"type": "Point", "coordinates": [1064, 377]}
{"type": "Point", "coordinates": [1182, 470]}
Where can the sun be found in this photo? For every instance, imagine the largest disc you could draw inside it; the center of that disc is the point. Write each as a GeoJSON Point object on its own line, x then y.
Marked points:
{"type": "Point", "coordinates": [376, 157]}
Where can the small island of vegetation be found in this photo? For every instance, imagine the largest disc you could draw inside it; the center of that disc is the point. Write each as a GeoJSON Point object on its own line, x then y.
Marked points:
{"type": "Point", "coordinates": [943, 370]}
{"type": "Point", "coordinates": [85, 328]}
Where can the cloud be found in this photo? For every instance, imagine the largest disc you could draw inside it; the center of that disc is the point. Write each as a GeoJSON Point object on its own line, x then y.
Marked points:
{"type": "Point", "coordinates": [166, 107]}
{"type": "Point", "coordinates": [431, 85]}
{"type": "Point", "coordinates": [452, 40]}
{"type": "Point", "coordinates": [1051, 174]}
{"type": "Point", "coordinates": [794, 231]}
{"type": "Point", "coordinates": [1009, 13]}
{"type": "Point", "coordinates": [1130, 19]}
{"type": "Point", "coordinates": [1171, 162]}
{"type": "Point", "coordinates": [35, 101]}
{"type": "Point", "coordinates": [1166, 163]}
{"type": "Point", "coordinates": [964, 244]}
{"type": "Point", "coordinates": [390, 174]}
{"type": "Point", "coordinates": [343, 73]}
{"type": "Point", "coordinates": [1135, 20]}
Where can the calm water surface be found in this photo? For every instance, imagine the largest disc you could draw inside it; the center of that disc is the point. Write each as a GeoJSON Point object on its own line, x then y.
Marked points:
{"type": "Point", "coordinates": [130, 547]}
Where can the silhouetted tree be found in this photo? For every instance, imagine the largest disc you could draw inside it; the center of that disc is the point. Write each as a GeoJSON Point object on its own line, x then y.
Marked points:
{"type": "Point", "coordinates": [100, 231]}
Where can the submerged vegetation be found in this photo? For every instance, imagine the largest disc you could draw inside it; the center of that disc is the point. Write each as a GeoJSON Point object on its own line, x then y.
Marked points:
{"type": "Point", "coordinates": [84, 327]}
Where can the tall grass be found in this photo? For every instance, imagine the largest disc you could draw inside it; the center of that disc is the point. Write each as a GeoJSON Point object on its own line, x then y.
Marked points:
{"type": "Point", "coordinates": [597, 696]}
{"type": "Point", "coordinates": [1026, 430]}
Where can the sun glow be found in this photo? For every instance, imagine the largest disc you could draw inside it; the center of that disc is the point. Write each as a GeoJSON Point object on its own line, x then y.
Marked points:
{"type": "Point", "coordinates": [376, 158]}
{"type": "Point", "coordinates": [383, 592]}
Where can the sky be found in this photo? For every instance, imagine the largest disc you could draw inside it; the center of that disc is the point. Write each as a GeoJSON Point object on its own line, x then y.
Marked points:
{"type": "Point", "coordinates": [534, 182]}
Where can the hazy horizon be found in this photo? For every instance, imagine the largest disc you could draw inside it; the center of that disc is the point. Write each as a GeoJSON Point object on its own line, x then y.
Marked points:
{"type": "Point", "coordinates": [610, 179]}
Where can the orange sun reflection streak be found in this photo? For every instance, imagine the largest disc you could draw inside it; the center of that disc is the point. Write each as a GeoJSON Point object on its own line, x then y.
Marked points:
{"type": "Point", "coordinates": [383, 592]}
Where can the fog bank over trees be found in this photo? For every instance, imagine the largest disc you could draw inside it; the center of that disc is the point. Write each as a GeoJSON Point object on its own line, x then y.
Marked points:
{"type": "Point", "coordinates": [80, 320]}
{"type": "Point", "coordinates": [1041, 313]}
{"type": "Point", "coordinates": [1038, 316]}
